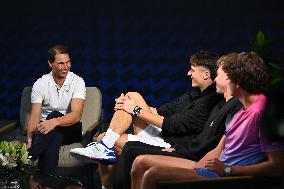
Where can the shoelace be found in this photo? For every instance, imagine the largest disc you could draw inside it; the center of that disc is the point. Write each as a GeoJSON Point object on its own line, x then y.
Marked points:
{"type": "Point", "coordinates": [93, 146]}
{"type": "Point", "coordinates": [90, 144]}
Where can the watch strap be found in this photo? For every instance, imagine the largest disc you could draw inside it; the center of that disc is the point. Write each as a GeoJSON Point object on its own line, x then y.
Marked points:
{"type": "Point", "coordinates": [136, 111]}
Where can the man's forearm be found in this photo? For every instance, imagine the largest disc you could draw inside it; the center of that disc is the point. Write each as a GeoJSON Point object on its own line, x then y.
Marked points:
{"type": "Point", "coordinates": [153, 110]}
{"type": "Point", "coordinates": [273, 167]}
{"type": "Point", "coordinates": [261, 169]}
{"type": "Point", "coordinates": [68, 119]}
{"type": "Point", "coordinates": [151, 118]}
{"type": "Point", "coordinates": [31, 128]}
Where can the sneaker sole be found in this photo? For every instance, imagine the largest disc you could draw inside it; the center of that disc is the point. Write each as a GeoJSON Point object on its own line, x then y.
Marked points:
{"type": "Point", "coordinates": [104, 162]}
{"type": "Point", "coordinates": [83, 158]}
{"type": "Point", "coordinates": [87, 159]}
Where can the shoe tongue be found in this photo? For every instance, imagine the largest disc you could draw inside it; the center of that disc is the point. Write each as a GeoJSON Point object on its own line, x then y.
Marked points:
{"type": "Point", "coordinates": [95, 147]}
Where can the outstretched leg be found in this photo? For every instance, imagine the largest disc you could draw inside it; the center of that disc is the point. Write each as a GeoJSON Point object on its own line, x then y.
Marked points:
{"type": "Point", "coordinates": [145, 162]}
{"type": "Point", "coordinates": [157, 174]}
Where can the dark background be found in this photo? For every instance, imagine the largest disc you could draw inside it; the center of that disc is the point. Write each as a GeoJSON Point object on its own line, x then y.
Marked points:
{"type": "Point", "coordinates": [122, 46]}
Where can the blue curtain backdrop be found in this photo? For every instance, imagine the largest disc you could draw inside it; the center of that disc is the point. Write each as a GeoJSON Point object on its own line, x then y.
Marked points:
{"type": "Point", "coordinates": [122, 46]}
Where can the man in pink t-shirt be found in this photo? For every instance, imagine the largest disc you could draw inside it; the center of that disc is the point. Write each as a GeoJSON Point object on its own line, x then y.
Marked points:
{"type": "Point", "coordinates": [243, 144]}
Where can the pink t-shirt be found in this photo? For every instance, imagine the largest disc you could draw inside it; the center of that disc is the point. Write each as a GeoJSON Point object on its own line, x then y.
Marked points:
{"type": "Point", "coordinates": [244, 143]}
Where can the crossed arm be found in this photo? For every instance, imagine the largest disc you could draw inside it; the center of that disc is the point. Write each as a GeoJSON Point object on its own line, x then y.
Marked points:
{"type": "Point", "coordinates": [128, 104]}
{"type": "Point", "coordinates": [45, 127]}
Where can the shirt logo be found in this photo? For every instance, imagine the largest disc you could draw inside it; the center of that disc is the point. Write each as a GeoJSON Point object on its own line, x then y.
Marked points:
{"type": "Point", "coordinates": [211, 124]}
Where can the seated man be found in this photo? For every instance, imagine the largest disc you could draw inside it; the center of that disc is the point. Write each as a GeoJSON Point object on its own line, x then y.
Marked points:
{"type": "Point", "coordinates": [174, 121]}
{"type": "Point", "coordinates": [194, 149]}
{"type": "Point", "coordinates": [243, 150]}
{"type": "Point", "coordinates": [57, 104]}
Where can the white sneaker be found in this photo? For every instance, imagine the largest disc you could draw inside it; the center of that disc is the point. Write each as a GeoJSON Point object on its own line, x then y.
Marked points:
{"type": "Point", "coordinates": [97, 151]}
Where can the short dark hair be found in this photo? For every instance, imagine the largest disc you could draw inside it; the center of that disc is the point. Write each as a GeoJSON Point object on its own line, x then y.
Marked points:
{"type": "Point", "coordinates": [57, 49]}
{"type": "Point", "coordinates": [207, 60]}
{"type": "Point", "coordinates": [247, 70]}
{"type": "Point", "coordinates": [225, 59]}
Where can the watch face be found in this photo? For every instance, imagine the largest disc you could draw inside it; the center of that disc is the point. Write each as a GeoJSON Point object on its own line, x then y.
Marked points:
{"type": "Point", "coordinates": [227, 171]}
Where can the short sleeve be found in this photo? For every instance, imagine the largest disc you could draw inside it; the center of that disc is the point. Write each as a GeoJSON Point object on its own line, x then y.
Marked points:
{"type": "Point", "coordinates": [79, 89]}
{"type": "Point", "coordinates": [37, 92]}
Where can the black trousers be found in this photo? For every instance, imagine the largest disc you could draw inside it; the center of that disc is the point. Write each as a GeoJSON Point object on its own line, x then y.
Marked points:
{"type": "Point", "coordinates": [45, 147]}
{"type": "Point", "coordinates": [122, 178]}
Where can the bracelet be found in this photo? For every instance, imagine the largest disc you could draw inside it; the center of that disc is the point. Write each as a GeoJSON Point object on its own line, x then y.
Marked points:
{"type": "Point", "coordinates": [136, 111]}
{"type": "Point", "coordinates": [29, 139]}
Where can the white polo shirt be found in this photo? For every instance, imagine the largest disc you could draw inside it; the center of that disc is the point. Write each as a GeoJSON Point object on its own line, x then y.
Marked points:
{"type": "Point", "coordinates": [53, 98]}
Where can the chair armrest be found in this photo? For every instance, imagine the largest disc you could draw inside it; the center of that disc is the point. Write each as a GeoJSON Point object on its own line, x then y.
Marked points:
{"type": "Point", "coordinates": [234, 182]}
{"type": "Point", "coordinates": [93, 130]}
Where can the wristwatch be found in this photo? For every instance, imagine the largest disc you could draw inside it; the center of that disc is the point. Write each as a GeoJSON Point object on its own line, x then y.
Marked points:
{"type": "Point", "coordinates": [136, 111]}
{"type": "Point", "coordinates": [227, 171]}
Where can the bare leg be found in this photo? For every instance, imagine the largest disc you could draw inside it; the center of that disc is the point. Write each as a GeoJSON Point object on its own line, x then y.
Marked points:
{"type": "Point", "coordinates": [145, 162]}
{"type": "Point", "coordinates": [107, 171]}
{"type": "Point", "coordinates": [100, 137]}
{"type": "Point", "coordinates": [139, 100]}
{"type": "Point", "coordinates": [120, 122]}
{"type": "Point", "coordinates": [156, 174]}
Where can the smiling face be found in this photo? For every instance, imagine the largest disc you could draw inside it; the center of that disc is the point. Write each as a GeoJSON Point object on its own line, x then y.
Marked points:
{"type": "Point", "coordinates": [198, 75]}
{"type": "Point", "coordinates": [61, 66]}
{"type": "Point", "coordinates": [222, 81]}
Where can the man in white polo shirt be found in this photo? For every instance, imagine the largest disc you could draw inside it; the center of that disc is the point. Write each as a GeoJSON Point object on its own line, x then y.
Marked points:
{"type": "Point", "coordinates": [57, 104]}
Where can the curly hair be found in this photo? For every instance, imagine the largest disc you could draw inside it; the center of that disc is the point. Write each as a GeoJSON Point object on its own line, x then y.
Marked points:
{"type": "Point", "coordinates": [57, 49]}
{"type": "Point", "coordinates": [247, 70]}
{"type": "Point", "coordinates": [207, 60]}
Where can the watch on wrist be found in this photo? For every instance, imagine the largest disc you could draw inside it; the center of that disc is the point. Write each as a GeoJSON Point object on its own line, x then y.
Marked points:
{"type": "Point", "coordinates": [29, 140]}
{"type": "Point", "coordinates": [227, 171]}
{"type": "Point", "coordinates": [136, 111]}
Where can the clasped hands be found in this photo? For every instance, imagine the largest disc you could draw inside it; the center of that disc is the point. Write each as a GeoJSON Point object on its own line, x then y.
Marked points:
{"type": "Point", "coordinates": [214, 165]}
{"type": "Point", "coordinates": [46, 126]}
{"type": "Point", "coordinates": [124, 102]}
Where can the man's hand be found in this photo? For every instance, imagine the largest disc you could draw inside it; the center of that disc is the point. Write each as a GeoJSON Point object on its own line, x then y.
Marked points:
{"type": "Point", "coordinates": [168, 149]}
{"type": "Point", "coordinates": [215, 165]}
{"type": "Point", "coordinates": [128, 105]}
{"type": "Point", "coordinates": [47, 126]}
{"type": "Point", "coordinates": [124, 103]}
{"type": "Point", "coordinates": [28, 145]}
{"type": "Point", "coordinates": [119, 102]}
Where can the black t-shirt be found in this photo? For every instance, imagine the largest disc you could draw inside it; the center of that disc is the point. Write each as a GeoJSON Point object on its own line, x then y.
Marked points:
{"type": "Point", "coordinates": [186, 117]}
{"type": "Point", "coordinates": [212, 132]}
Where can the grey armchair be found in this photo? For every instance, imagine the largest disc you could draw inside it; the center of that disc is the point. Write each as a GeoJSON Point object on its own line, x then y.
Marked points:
{"type": "Point", "coordinates": [91, 120]}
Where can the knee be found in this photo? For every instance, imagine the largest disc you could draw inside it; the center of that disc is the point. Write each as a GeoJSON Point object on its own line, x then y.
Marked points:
{"type": "Point", "coordinates": [138, 166]}
{"type": "Point", "coordinates": [151, 175]}
{"type": "Point", "coordinates": [133, 95]}
{"type": "Point", "coordinates": [56, 140]}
